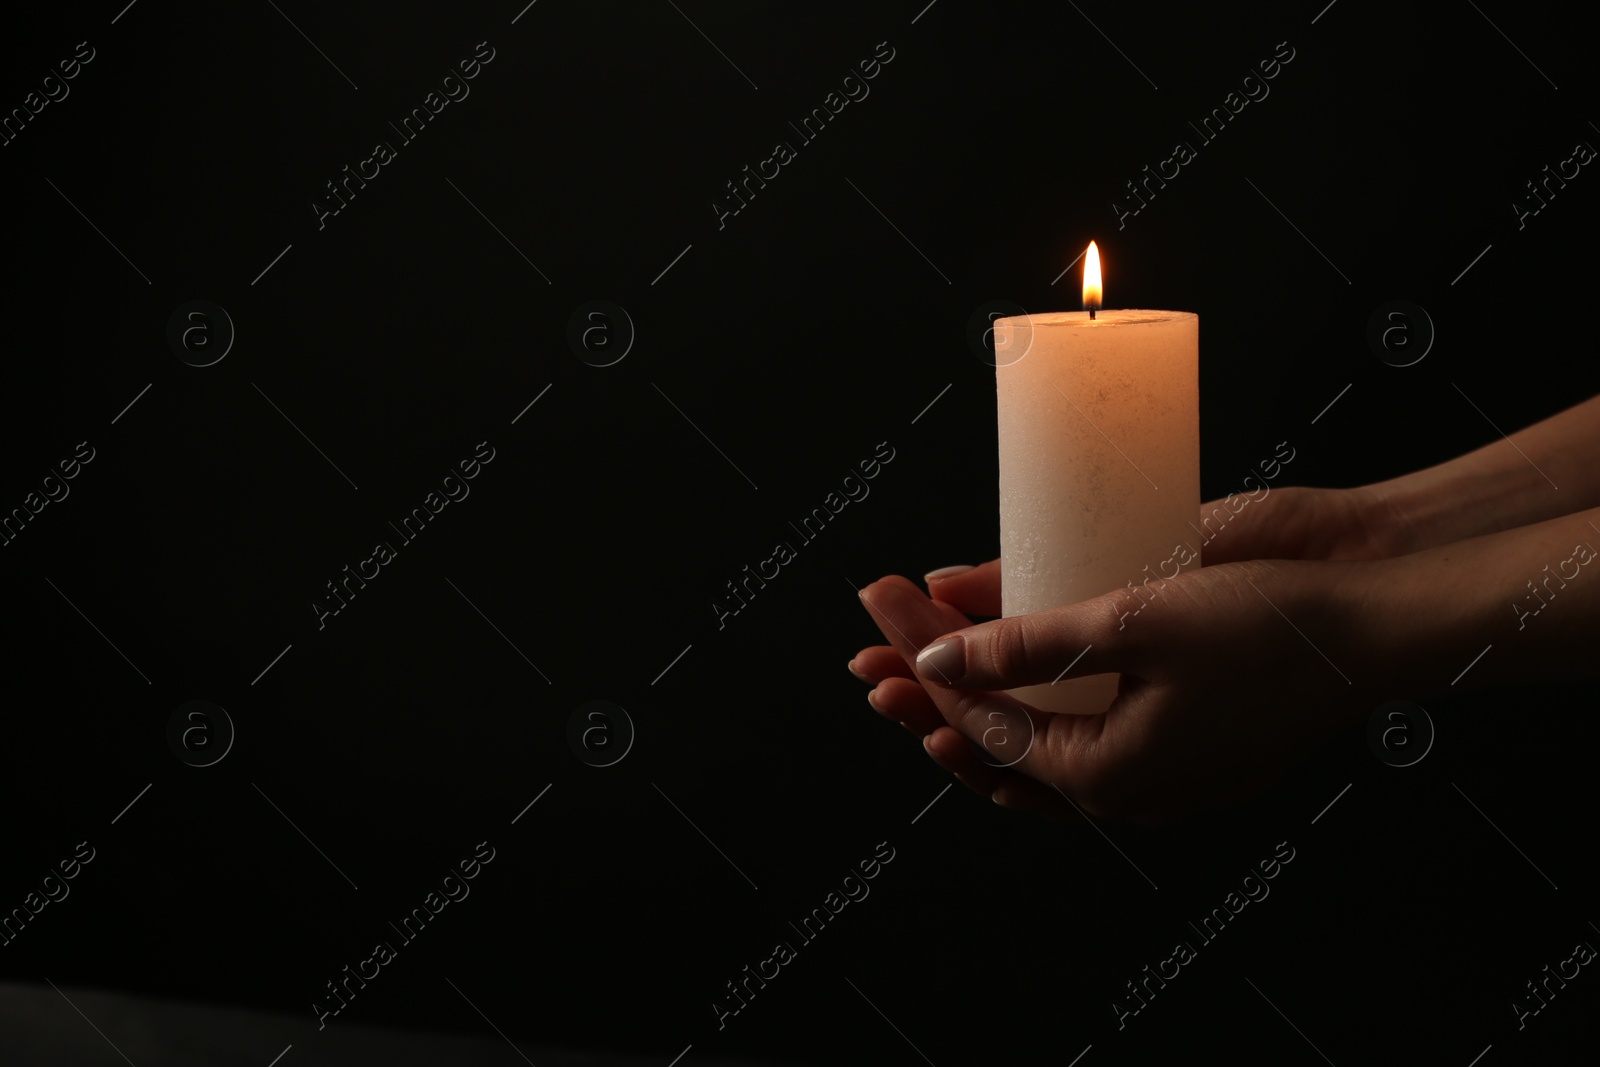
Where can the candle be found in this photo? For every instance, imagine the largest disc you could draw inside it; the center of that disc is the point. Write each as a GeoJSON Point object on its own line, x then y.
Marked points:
{"type": "Point", "coordinates": [1099, 416]}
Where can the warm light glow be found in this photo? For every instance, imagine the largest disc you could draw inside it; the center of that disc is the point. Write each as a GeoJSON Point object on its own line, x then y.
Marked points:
{"type": "Point", "coordinates": [1091, 277]}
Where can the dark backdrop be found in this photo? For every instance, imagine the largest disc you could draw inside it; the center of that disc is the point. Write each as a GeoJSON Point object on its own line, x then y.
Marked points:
{"type": "Point", "coordinates": [768, 355]}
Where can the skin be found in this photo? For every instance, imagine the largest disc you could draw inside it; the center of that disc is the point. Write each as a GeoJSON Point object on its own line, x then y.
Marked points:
{"type": "Point", "coordinates": [1313, 607]}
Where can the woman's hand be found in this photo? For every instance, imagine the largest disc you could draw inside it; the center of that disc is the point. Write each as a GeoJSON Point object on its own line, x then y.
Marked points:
{"type": "Point", "coordinates": [1229, 676]}
{"type": "Point", "coordinates": [1288, 523]}
{"type": "Point", "coordinates": [1230, 673]}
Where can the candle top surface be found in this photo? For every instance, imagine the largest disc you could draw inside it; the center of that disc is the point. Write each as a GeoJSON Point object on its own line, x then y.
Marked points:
{"type": "Point", "coordinates": [1103, 318]}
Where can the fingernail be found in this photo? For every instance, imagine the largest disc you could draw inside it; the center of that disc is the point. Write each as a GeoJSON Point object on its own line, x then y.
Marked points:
{"type": "Point", "coordinates": [852, 666]}
{"type": "Point", "coordinates": [872, 697]}
{"type": "Point", "coordinates": [947, 572]}
{"type": "Point", "coordinates": [944, 661]}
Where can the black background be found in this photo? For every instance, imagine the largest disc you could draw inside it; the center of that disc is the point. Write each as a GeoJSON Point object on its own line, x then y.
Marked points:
{"type": "Point", "coordinates": [796, 337]}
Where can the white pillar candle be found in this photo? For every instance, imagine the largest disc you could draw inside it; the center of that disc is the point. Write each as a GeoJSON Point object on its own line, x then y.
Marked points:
{"type": "Point", "coordinates": [1099, 465]}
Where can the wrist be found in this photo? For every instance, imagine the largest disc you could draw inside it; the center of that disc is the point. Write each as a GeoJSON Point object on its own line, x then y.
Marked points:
{"type": "Point", "coordinates": [1360, 595]}
{"type": "Point", "coordinates": [1409, 624]}
{"type": "Point", "coordinates": [1421, 626]}
{"type": "Point", "coordinates": [1403, 515]}
{"type": "Point", "coordinates": [1484, 492]}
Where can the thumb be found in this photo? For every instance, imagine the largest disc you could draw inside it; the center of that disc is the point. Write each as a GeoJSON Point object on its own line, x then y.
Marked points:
{"type": "Point", "coordinates": [1072, 641]}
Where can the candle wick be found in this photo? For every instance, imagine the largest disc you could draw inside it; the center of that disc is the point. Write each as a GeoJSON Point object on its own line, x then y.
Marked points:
{"type": "Point", "coordinates": [1091, 314]}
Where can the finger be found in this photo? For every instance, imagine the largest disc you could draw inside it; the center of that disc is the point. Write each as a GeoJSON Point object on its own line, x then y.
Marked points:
{"type": "Point", "coordinates": [876, 662]}
{"type": "Point", "coordinates": [1072, 641]}
{"type": "Point", "coordinates": [952, 751]}
{"type": "Point", "coordinates": [1007, 733]}
{"type": "Point", "coordinates": [974, 591]}
{"type": "Point", "coordinates": [1215, 548]}
{"type": "Point", "coordinates": [913, 620]}
{"type": "Point", "coordinates": [905, 701]}
{"type": "Point", "coordinates": [1024, 794]}
{"type": "Point", "coordinates": [1007, 788]}
{"type": "Point", "coordinates": [1223, 543]}
{"type": "Point", "coordinates": [956, 754]}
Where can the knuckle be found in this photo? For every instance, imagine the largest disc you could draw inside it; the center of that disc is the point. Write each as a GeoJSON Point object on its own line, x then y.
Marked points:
{"type": "Point", "coordinates": [1017, 652]}
{"type": "Point", "coordinates": [967, 714]}
{"type": "Point", "coordinates": [1107, 619]}
{"type": "Point", "coordinates": [1111, 625]}
{"type": "Point", "coordinates": [998, 658]}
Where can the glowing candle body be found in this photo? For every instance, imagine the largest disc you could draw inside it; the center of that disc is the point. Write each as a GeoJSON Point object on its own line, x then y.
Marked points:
{"type": "Point", "coordinates": [1099, 466]}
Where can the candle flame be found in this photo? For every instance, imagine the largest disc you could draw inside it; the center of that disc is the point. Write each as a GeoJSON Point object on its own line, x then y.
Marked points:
{"type": "Point", "coordinates": [1092, 289]}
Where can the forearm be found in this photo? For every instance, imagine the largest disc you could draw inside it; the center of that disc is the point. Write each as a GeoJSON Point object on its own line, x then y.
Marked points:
{"type": "Point", "coordinates": [1530, 596]}
{"type": "Point", "coordinates": [1541, 472]}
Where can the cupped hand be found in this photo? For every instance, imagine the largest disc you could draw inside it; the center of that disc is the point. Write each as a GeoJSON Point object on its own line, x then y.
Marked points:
{"type": "Point", "coordinates": [1288, 523]}
{"type": "Point", "coordinates": [1230, 675]}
